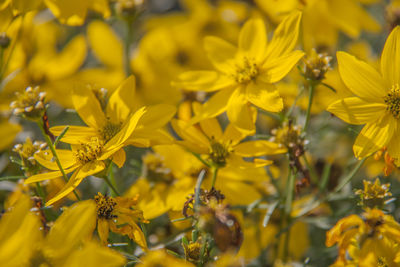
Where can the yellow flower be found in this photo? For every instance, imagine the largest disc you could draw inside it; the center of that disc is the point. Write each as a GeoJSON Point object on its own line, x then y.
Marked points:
{"type": "Point", "coordinates": [160, 258]}
{"type": "Point", "coordinates": [26, 243]}
{"type": "Point", "coordinates": [73, 12]}
{"type": "Point", "coordinates": [324, 19]}
{"type": "Point", "coordinates": [226, 148]}
{"type": "Point", "coordinates": [87, 156]}
{"type": "Point", "coordinates": [116, 119]}
{"type": "Point", "coordinates": [246, 74]}
{"type": "Point", "coordinates": [119, 215]}
{"type": "Point", "coordinates": [376, 100]}
{"type": "Point", "coordinates": [367, 240]}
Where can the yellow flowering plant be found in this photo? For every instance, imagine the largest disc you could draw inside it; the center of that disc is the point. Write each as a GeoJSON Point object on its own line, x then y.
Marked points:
{"type": "Point", "coordinates": [199, 133]}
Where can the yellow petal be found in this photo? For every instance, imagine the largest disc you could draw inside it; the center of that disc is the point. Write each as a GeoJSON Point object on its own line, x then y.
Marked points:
{"type": "Point", "coordinates": [70, 12]}
{"type": "Point", "coordinates": [119, 105]}
{"type": "Point", "coordinates": [374, 136]}
{"type": "Point", "coordinates": [105, 44]}
{"type": "Point", "coordinates": [148, 138]}
{"type": "Point", "coordinates": [77, 177]}
{"type": "Point", "coordinates": [390, 60]}
{"type": "Point", "coordinates": [238, 162]}
{"type": "Point", "coordinates": [211, 128]}
{"type": "Point", "coordinates": [119, 158]}
{"type": "Point", "coordinates": [207, 81]}
{"type": "Point", "coordinates": [285, 36]}
{"type": "Point", "coordinates": [253, 39]}
{"type": "Point", "coordinates": [394, 144]}
{"type": "Point", "coordinates": [156, 117]}
{"type": "Point", "coordinates": [103, 230]}
{"type": "Point", "coordinates": [75, 134]}
{"type": "Point", "coordinates": [264, 96]}
{"type": "Point", "coordinates": [233, 135]}
{"type": "Point", "coordinates": [274, 70]}
{"type": "Point", "coordinates": [214, 106]}
{"type": "Point", "coordinates": [357, 111]}
{"type": "Point", "coordinates": [190, 133]}
{"type": "Point", "coordinates": [68, 61]}
{"type": "Point", "coordinates": [362, 79]}
{"type": "Point", "coordinates": [88, 108]}
{"type": "Point", "coordinates": [119, 139]}
{"type": "Point", "coordinates": [74, 225]}
{"type": "Point", "coordinates": [46, 159]}
{"type": "Point", "coordinates": [239, 112]}
{"type": "Point", "coordinates": [258, 148]}
{"type": "Point", "coordinates": [47, 176]}
{"type": "Point", "coordinates": [220, 52]}
{"type": "Point", "coordinates": [8, 133]}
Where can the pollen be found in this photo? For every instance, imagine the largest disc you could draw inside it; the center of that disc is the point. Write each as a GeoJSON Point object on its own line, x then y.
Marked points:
{"type": "Point", "coordinates": [392, 100]}
{"type": "Point", "coordinates": [89, 151]}
{"type": "Point", "coordinates": [247, 72]}
{"type": "Point", "coordinates": [218, 153]}
{"type": "Point", "coordinates": [105, 207]}
{"type": "Point", "coordinates": [109, 131]}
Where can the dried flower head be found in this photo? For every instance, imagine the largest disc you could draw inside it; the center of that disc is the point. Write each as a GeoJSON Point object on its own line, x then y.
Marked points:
{"type": "Point", "coordinates": [26, 152]}
{"type": "Point", "coordinates": [374, 195]}
{"type": "Point", "coordinates": [316, 65]}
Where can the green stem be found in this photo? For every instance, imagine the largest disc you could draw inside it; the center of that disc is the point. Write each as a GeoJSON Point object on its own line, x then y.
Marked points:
{"type": "Point", "coordinates": [53, 151]}
{"type": "Point", "coordinates": [200, 180]}
{"type": "Point", "coordinates": [348, 178]}
{"type": "Point", "coordinates": [115, 191]}
{"type": "Point", "coordinates": [288, 210]}
{"type": "Point", "coordinates": [311, 88]}
{"type": "Point", "coordinates": [313, 174]}
{"type": "Point", "coordinates": [40, 191]}
{"type": "Point", "coordinates": [128, 41]}
{"type": "Point", "coordinates": [214, 177]}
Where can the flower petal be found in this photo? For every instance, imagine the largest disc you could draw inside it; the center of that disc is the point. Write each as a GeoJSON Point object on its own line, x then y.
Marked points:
{"type": "Point", "coordinates": [207, 81]}
{"type": "Point", "coordinates": [239, 112]}
{"type": "Point", "coordinates": [220, 52]}
{"type": "Point", "coordinates": [65, 156]}
{"type": "Point", "coordinates": [120, 105]}
{"type": "Point", "coordinates": [119, 158]}
{"type": "Point", "coordinates": [362, 79]}
{"type": "Point", "coordinates": [264, 96]}
{"type": "Point", "coordinates": [285, 36]}
{"type": "Point", "coordinates": [81, 173]}
{"type": "Point", "coordinates": [190, 133]}
{"type": "Point", "coordinates": [156, 117]}
{"type": "Point", "coordinates": [103, 230]}
{"type": "Point", "coordinates": [88, 108]}
{"type": "Point", "coordinates": [274, 70]}
{"type": "Point", "coordinates": [75, 134]}
{"type": "Point", "coordinates": [390, 60]}
{"type": "Point", "coordinates": [357, 111]}
{"type": "Point", "coordinates": [374, 136]}
{"type": "Point", "coordinates": [258, 148]}
{"type": "Point", "coordinates": [253, 39]}
{"type": "Point", "coordinates": [394, 144]}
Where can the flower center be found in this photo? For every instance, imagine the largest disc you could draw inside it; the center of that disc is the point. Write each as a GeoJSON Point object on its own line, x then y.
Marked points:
{"type": "Point", "coordinates": [109, 131]}
{"type": "Point", "coordinates": [247, 72]}
{"type": "Point", "coordinates": [218, 153]}
{"type": "Point", "coordinates": [89, 151]}
{"type": "Point", "coordinates": [105, 207]}
{"type": "Point", "coordinates": [392, 100]}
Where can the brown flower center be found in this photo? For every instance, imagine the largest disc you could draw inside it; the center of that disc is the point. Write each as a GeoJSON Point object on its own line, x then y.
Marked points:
{"type": "Point", "coordinates": [392, 101]}
{"type": "Point", "coordinates": [105, 207]}
{"type": "Point", "coordinates": [89, 152]}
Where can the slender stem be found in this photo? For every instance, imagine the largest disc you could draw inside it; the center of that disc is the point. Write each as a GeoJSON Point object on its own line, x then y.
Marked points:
{"type": "Point", "coordinates": [200, 159]}
{"type": "Point", "coordinates": [200, 180]}
{"type": "Point", "coordinates": [214, 177]}
{"type": "Point", "coordinates": [128, 41]}
{"type": "Point", "coordinates": [112, 178]}
{"type": "Point", "coordinates": [53, 151]}
{"type": "Point", "coordinates": [40, 191]}
{"type": "Point", "coordinates": [311, 88]}
{"type": "Point", "coordinates": [288, 210]}
{"type": "Point", "coordinates": [348, 178]}
{"type": "Point", "coordinates": [115, 191]}
{"type": "Point", "coordinates": [313, 174]}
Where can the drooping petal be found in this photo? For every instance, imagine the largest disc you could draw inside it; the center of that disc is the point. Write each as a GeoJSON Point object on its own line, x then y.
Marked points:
{"type": "Point", "coordinates": [88, 107]}
{"type": "Point", "coordinates": [239, 112]}
{"type": "Point", "coordinates": [374, 136]}
{"type": "Point", "coordinates": [119, 105]}
{"type": "Point", "coordinates": [362, 79]}
{"type": "Point", "coordinates": [75, 134]}
{"type": "Point", "coordinates": [264, 96]}
{"type": "Point", "coordinates": [390, 60]}
{"type": "Point", "coordinates": [119, 158]}
{"type": "Point", "coordinates": [258, 148]}
{"type": "Point", "coordinates": [357, 111]}
{"type": "Point", "coordinates": [47, 176]}
{"type": "Point", "coordinates": [105, 44]}
{"type": "Point", "coordinates": [81, 173]}
{"type": "Point", "coordinates": [276, 69]}
{"type": "Point", "coordinates": [253, 39]}
{"type": "Point", "coordinates": [220, 52]}
{"type": "Point", "coordinates": [285, 36]}
{"type": "Point", "coordinates": [207, 81]}
{"type": "Point", "coordinates": [118, 140]}
{"type": "Point", "coordinates": [103, 229]}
